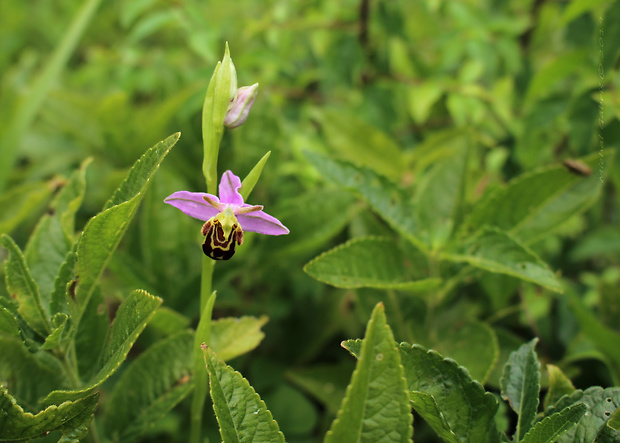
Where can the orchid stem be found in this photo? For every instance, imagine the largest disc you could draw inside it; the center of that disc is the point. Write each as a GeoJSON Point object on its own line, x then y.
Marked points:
{"type": "Point", "coordinates": [203, 335]}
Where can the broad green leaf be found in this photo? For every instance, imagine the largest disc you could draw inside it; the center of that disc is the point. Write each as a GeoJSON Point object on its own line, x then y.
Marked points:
{"type": "Point", "coordinates": [497, 251]}
{"type": "Point", "coordinates": [578, 7]}
{"type": "Point", "coordinates": [53, 236]}
{"type": "Point", "coordinates": [427, 407]}
{"type": "Point", "coordinates": [103, 233]}
{"type": "Point", "coordinates": [602, 405]}
{"type": "Point", "coordinates": [554, 72]}
{"type": "Point", "coordinates": [376, 405]}
{"type": "Point", "coordinates": [371, 262]}
{"type": "Point", "coordinates": [357, 141]}
{"type": "Point", "coordinates": [611, 430]}
{"type": "Point", "coordinates": [150, 386]}
{"type": "Point", "coordinates": [71, 418]}
{"type": "Point", "coordinates": [9, 326]}
{"type": "Point", "coordinates": [24, 289]}
{"type": "Point", "coordinates": [536, 203]}
{"type": "Point", "coordinates": [471, 344]}
{"type": "Point", "coordinates": [422, 97]}
{"type": "Point", "coordinates": [168, 321]}
{"type": "Point", "coordinates": [240, 412]}
{"type": "Point", "coordinates": [386, 199]}
{"type": "Point", "coordinates": [551, 427]}
{"type": "Point", "coordinates": [91, 335]}
{"type": "Point", "coordinates": [520, 385]}
{"type": "Point", "coordinates": [59, 321]}
{"type": "Point", "coordinates": [131, 318]}
{"type": "Point", "coordinates": [559, 386]}
{"type": "Point", "coordinates": [313, 218]}
{"type": "Point", "coordinates": [232, 337]}
{"type": "Point", "coordinates": [466, 409]}
{"type": "Point", "coordinates": [603, 338]}
{"type": "Point", "coordinates": [439, 199]}
{"type": "Point", "coordinates": [19, 202]}
{"type": "Point", "coordinates": [248, 183]}
{"type": "Point", "coordinates": [45, 372]}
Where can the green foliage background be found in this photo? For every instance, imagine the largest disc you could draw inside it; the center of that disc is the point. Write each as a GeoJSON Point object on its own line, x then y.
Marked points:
{"type": "Point", "coordinates": [394, 126]}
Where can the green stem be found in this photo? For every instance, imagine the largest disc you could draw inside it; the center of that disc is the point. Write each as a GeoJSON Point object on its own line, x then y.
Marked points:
{"type": "Point", "coordinates": [205, 283]}
{"type": "Point", "coordinates": [201, 378]}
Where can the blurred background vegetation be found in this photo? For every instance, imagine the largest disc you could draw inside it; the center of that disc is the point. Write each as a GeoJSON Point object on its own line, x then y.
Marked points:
{"type": "Point", "coordinates": [525, 83]}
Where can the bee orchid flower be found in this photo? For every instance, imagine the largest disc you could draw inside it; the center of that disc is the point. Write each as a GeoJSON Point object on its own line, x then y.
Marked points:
{"type": "Point", "coordinates": [225, 217]}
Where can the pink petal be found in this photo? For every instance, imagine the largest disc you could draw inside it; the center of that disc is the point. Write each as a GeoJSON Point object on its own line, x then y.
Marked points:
{"type": "Point", "coordinates": [193, 204]}
{"type": "Point", "coordinates": [229, 189]}
{"type": "Point", "coordinates": [261, 222]}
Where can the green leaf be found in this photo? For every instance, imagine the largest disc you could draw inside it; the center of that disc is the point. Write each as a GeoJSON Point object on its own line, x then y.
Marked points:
{"type": "Point", "coordinates": [53, 236]}
{"type": "Point", "coordinates": [313, 218]}
{"type": "Point", "coordinates": [168, 321]}
{"type": "Point", "coordinates": [357, 141]}
{"type": "Point", "coordinates": [64, 284]}
{"type": "Point", "coordinates": [465, 411]}
{"type": "Point", "coordinates": [611, 431]}
{"type": "Point", "coordinates": [240, 412]}
{"type": "Point", "coordinates": [559, 386]}
{"type": "Point", "coordinates": [20, 202]}
{"type": "Point", "coordinates": [44, 372]}
{"type": "Point", "coordinates": [554, 72]}
{"type": "Point", "coordinates": [427, 407]}
{"type": "Point", "coordinates": [472, 344]}
{"type": "Point", "coordinates": [376, 405]}
{"type": "Point", "coordinates": [150, 387]}
{"type": "Point", "coordinates": [422, 97]}
{"type": "Point", "coordinates": [24, 289]}
{"type": "Point", "coordinates": [550, 428]}
{"type": "Point", "coordinates": [602, 404]}
{"type": "Point", "coordinates": [536, 203]}
{"type": "Point", "coordinates": [614, 421]}
{"type": "Point", "coordinates": [496, 251]}
{"type": "Point", "coordinates": [232, 337]}
{"type": "Point", "coordinates": [385, 198]}
{"type": "Point", "coordinates": [371, 262]}
{"type": "Point", "coordinates": [71, 418]}
{"type": "Point", "coordinates": [91, 335]}
{"type": "Point", "coordinates": [53, 340]}
{"type": "Point", "coordinates": [131, 318]}
{"type": "Point", "coordinates": [603, 338]}
{"type": "Point", "coordinates": [468, 410]}
{"type": "Point", "coordinates": [578, 7]}
{"type": "Point", "coordinates": [103, 233]}
{"type": "Point", "coordinates": [520, 385]}
{"type": "Point", "coordinates": [439, 199]}
{"type": "Point", "coordinates": [9, 326]}
{"type": "Point", "coordinates": [248, 183]}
